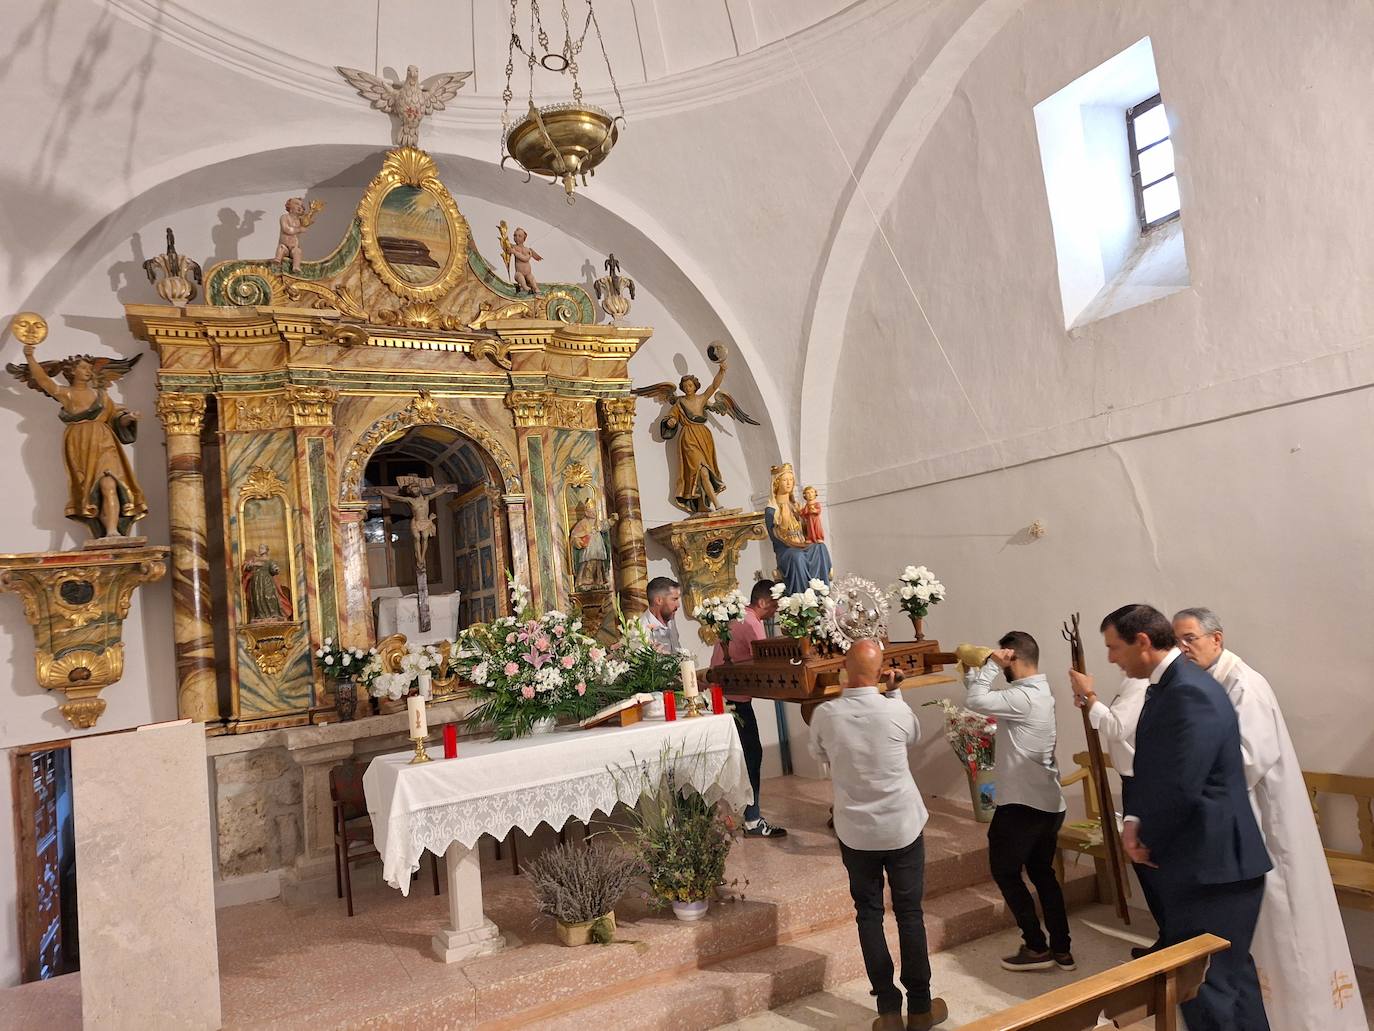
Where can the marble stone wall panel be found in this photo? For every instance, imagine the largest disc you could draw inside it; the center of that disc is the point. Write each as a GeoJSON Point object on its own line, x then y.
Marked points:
{"type": "Point", "coordinates": [257, 795]}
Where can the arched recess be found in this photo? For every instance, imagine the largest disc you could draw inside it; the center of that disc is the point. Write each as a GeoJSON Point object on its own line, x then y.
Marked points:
{"type": "Point", "coordinates": [899, 142]}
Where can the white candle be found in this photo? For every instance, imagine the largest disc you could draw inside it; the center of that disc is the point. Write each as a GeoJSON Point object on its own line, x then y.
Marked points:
{"type": "Point", "coordinates": [415, 708]}
{"type": "Point", "coordinates": [688, 669]}
{"type": "Point", "coordinates": [426, 684]}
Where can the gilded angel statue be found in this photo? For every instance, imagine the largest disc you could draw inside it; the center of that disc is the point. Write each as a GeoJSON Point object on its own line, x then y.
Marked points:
{"type": "Point", "coordinates": [102, 492]}
{"type": "Point", "coordinates": [698, 471]}
{"type": "Point", "coordinates": [410, 100]}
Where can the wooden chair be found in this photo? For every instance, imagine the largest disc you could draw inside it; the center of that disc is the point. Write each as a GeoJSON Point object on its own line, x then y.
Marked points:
{"type": "Point", "coordinates": [1084, 837]}
{"type": "Point", "coordinates": [1352, 873]}
{"type": "Point", "coordinates": [352, 826]}
{"type": "Point", "coordinates": [1153, 986]}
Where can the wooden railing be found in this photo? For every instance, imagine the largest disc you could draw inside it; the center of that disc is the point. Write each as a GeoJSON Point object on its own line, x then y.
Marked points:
{"type": "Point", "coordinates": [1155, 984]}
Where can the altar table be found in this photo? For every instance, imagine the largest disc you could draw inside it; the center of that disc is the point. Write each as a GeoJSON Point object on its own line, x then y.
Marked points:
{"type": "Point", "coordinates": [494, 787]}
{"type": "Point", "coordinates": [402, 616]}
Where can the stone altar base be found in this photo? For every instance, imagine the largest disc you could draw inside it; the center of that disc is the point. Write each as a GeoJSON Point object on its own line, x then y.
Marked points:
{"type": "Point", "coordinates": [308, 965]}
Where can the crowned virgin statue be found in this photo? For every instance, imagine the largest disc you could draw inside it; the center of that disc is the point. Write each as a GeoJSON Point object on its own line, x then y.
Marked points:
{"type": "Point", "coordinates": [799, 561]}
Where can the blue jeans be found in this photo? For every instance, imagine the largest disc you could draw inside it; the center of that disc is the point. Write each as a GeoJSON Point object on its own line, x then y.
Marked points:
{"type": "Point", "coordinates": [748, 726]}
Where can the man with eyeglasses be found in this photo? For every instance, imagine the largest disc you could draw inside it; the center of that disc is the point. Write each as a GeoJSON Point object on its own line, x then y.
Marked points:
{"type": "Point", "coordinates": [1299, 945]}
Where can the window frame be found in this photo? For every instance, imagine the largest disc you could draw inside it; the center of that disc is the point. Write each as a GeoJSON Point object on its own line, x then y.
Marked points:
{"type": "Point", "coordinates": [1132, 113]}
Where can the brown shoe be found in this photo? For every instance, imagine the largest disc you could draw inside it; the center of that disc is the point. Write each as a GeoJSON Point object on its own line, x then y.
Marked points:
{"type": "Point", "coordinates": [888, 1022]}
{"type": "Point", "coordinates": [937, 1014]}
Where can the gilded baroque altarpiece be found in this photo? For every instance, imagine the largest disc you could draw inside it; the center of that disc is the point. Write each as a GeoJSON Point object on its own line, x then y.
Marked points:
{"type": "Point", "coordinates": [276, 394]}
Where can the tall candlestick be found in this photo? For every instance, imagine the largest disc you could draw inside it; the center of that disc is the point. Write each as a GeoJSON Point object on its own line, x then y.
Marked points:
{"type": "Point", "coordinates": [688, 669]}
{"type": "Point", "coordinates": [415, 709]}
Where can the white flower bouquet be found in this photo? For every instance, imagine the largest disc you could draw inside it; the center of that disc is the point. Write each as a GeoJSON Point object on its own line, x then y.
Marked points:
{"type": "Point", "coordinates": [807, 614]}
{"type": "Point", "coordinates": [339, 663]}
{"type": "Point", "coordinates": [916, 590]}
{"type": "Point", "coordinates": [416, 659]}
{"type": "Point", "coordinates": [527, 668]}
{"type": "Point", "coordinates": [718, 612]}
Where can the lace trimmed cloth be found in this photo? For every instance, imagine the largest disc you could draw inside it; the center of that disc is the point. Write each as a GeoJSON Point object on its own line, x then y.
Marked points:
{"type": "Point", "coordinates": [494, 787]}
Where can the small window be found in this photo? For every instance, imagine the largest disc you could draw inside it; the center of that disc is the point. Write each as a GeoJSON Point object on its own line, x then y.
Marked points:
{"type": "Point", "coordinates": [1152, 163]}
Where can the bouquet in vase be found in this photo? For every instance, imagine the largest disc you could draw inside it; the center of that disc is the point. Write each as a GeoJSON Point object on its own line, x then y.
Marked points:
{"type": "Point", "coordinates": [528, 669]}
{"type": "Point", "coordinates": [339, 663]}
{"type": "Point", "coordinates": [718, 612]}
{"type": "Point", "coordinates": [971, 734]}
{"type": "Point", "coordinates": [807, 614]}
{"type": "Point", "coordinates": [415, 660]}
{"type": "Point", "coordinates": [915, 591]}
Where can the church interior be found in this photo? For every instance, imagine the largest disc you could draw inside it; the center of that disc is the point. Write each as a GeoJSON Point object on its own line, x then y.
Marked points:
{"type": "Point", "coordinates": [501, 446]}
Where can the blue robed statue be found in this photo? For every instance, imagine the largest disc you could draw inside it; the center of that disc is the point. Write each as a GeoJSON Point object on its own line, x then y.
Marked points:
{"type": "Point", "coordinates": [799, 560]}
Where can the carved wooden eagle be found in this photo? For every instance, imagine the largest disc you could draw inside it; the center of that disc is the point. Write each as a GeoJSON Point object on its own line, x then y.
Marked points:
{"type": "Point", "coordinates": [410, 101]}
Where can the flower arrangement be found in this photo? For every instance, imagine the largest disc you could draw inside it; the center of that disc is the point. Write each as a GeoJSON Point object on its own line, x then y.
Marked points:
{"type": "Point", "coordinates": [416, 659]}
{"type": "Point", "coordinates": [577, 885]}
{"type": "Point", "coordinates": [648, 670]}
{"type": "Point", "coordinates": [971, 735]}
{"type": "Point", "coordinates": [808, 614]}
{"type": "Point", "coordinates": [340, 663]}
{"type": "Point", "coordinates": [718, 612]}
{"type": "Point", "coordinates": [527, 668]}
{"type": "Point", "coordinates": [916, 590]}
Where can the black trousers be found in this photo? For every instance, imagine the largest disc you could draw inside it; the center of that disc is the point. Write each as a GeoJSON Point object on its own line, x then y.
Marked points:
{"type": "Point", "coordinates": [748, 726]}
{"type": "Point", "coordinates": [1022, 838]}
{"type": "Point", "coordinates": [1229, 999]}
{"type": "Point", "coordinates": [906, 871]}
{"type": "Point", "coordinates": [1144, 874]}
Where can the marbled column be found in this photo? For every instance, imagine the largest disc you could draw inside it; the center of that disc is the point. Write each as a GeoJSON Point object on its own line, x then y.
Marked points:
{"type": "Point", "coordinates": [355, 622]}
{"type": "Point", "coordinates": [631, 563]}
{"type": "Point", "coordinates": [197, 693]}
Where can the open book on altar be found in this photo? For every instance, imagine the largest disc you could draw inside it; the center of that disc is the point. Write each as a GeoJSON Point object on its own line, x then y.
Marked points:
{"type": "Point", "coordinates": [624, 712]}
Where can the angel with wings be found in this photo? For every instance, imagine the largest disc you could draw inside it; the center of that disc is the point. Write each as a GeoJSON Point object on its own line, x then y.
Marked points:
{"type": "Point", "coordinates": [102, 492]}
{"type": "Point", "coordinates": [698, 471]}
{"type": "Point", "coordinates": [410, 100]}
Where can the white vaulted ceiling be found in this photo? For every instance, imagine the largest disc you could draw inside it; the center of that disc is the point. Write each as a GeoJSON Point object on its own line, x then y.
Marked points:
{"type": "Point", "coordinates": [665, 54]}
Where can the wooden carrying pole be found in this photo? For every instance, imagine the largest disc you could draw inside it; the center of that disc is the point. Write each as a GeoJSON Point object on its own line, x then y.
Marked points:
{"type": "Point", "coordinates": [1116, 858]}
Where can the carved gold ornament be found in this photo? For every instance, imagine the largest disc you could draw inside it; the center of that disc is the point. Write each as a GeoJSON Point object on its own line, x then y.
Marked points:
{"type": "Point", "coordinates": [341, 299]}
{"type": "Point", "coordinates": [261, 482]}
{"type": "Point", "coordinates": [257, 413]}
{"type": "Point", "coordinates": [181, 413]}
{"type": "Point", "coordinates": [423, 410]}
{"type": "Point", "coordinates": [706, 552]}
{"type": "Point", "coordinates": [29, 327]}
{"type": "Point", "coordinates": [312, 406]}
{"type": "Point", "coordinates": [76, 603]}
{"type": "Point", "coordinates": [618, 413]}
{"type": "Point", "coordinates": [403, 168]}
{"type": "Point", "coordinates": [270, 644]}
{"type": "Point", "coordinates": [528, 407]}
{"type": "Point", "coordinates": [487, 312]}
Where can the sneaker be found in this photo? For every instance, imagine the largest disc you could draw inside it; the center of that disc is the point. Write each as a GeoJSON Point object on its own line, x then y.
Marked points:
{"type": "Point", "coordinates": [1025, 959]}
{"type": "Point", "coordinates": [761, 828]}
{"type": "Point", "coordinates": [937, 1014]}
{"type": "Point", "coordinates": [1064, 961]}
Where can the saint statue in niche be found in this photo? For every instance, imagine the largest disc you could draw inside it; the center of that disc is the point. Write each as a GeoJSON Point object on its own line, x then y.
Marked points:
{"type": "Point", "coordinates": [698, 471]}
{"type": "Point", "coordinates": [591, 548]}
{"type": "Point", "coordinates": [263, 594]}
{"type": "Point", "coordinates": [799, 560]}
{"type": "Point", "coordinates": [102, 492]}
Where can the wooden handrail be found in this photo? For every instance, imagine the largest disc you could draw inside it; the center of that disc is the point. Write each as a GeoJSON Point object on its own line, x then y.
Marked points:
{"type": "Point", "coordinates": [1157, 982]}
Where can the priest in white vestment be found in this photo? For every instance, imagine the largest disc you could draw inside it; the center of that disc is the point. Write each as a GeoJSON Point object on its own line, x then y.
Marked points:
{"type": "Point", "coordinates": [1299, 947]}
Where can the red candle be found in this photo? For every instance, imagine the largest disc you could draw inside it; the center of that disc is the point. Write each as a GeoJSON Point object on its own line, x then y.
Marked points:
{"type": "Point", "coordinates": [717, 700]}
{"type": "Point", "coordinates": [669, 705]}
{"type": "Point", "coordinates": [450, 741]}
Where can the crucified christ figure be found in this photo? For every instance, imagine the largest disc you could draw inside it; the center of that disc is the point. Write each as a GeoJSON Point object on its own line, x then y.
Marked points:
{"type": "Point", "coordinates": [418, 492]}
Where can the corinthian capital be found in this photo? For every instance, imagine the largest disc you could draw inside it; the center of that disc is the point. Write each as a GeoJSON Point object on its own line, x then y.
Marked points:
{"type": "Point", "coordinates": [181, 413]}
{"type": "Point", "coordinates": [618, 413]}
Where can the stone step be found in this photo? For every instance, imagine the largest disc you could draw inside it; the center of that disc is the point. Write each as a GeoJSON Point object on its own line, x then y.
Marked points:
{"type": "Point", "coordinates": [711, 990]}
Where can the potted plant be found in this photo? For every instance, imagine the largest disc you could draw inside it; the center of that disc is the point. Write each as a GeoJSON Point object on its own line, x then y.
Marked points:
{"type": "Point", "coordinates": [529, 671]}
{"type": "Point", "coordinates": [915, 591]}
{"type": "Point", "coordinates": [680, 839]}
{"type": "Point", "coordinates": [973, 737]}
{"type": "Point", "coordinates": [413, 670]}
{"type": "Point", "coordinates": [343, 668]}
{"type": "Point", "coordinates": [718, 612]}
{"type": "Point", "coordinates": [579, 887]}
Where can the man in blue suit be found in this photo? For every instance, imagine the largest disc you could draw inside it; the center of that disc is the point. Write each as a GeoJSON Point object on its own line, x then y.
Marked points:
{"type": "Point", "coordinates": [1188, 819]}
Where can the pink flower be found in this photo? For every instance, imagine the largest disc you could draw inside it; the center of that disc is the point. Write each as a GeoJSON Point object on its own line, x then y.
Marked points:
{"type": "Point", "coordinates": [523, 636]}
{"type": "Point", "coordinates": [597, 654]}
{"type": "Point", "coordinates": [568, 661]}
{"type": "Point", "coordinates": [510, 638]}
{"type": "Point", "coordinates": [542, 643]}
{"type": "Point", "coordinates": [535, 657]}
{"type": "Point", "coordinates": [581, 688]}
{"type": "Point", "coordinates": [559, 631]}
{"type": "Point", "coordinates": [527, 691]}
{"type": "Point", "coordinates": [511, 668]}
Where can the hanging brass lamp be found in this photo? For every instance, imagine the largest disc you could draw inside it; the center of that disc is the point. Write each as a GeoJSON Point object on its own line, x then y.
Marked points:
{"type": "Point", "coordinates": [563, 141]}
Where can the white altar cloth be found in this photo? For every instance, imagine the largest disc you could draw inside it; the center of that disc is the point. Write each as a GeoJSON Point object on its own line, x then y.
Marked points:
{"type": "Point", "coordinates": [494, 787]}
{"type": "Point", "coordinates": [402, 616]}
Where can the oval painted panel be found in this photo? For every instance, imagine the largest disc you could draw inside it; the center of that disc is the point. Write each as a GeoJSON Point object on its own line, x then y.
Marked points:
{"type": "Point", "coordinates": [413, 235]}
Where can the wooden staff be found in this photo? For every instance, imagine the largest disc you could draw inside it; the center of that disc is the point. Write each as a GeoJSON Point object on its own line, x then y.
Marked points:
{"type": "Point", "coordinates": [1097, 769]}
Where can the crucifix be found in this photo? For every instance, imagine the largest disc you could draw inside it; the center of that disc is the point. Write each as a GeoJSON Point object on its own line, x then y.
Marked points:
{"type": "Point", "coordinates": [418, 492]}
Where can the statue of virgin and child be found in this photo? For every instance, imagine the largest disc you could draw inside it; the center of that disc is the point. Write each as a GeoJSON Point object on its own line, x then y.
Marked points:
{"type": "Point", "coordinates": [801, 557]}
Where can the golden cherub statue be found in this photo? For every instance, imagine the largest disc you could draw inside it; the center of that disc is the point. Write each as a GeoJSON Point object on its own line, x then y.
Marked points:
{"type": "Point", "coordinates": [698, 471]}
{"type": "Point", "coordinates": [102, 491]}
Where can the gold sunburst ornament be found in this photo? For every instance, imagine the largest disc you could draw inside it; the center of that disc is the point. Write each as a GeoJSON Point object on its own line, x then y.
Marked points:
{"type": "Point", "coordinates": [564, 141]}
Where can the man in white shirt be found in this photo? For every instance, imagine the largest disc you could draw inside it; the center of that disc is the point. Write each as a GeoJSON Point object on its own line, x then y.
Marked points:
{"type": "Point", "coordinates": [665, 598]}
{"type": "Point", "coordinates": [1116, 725]}
{"type": "Point", "coordinates": [1024, 833]}
{"type": "Point", "coordinates": [1300, 950]}
{"type": "Point", "coordinates": [879, 819]}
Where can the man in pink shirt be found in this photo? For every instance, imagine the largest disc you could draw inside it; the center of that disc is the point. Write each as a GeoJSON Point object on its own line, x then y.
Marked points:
{"type": "Point", "coordinates": [743, 632]}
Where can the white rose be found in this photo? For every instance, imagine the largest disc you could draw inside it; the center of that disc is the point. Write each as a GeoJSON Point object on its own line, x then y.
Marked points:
{"type": "Point", "coordinates": [329, 660]}
{"type": "Point", "coordinates": [347, 659]}
{"type": "Point", "coordinates": [922, 593]}
{"type": "Point", "coordinates": [817, 585]}
{"type": "Point", "coordinates": [779, 590]}
{"type": "Point", "coordinates": [909, 573]}
{"type": "Point", "coordinates": [907, 592]}
{"type": "Point", "coordinates": [328, 641]}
